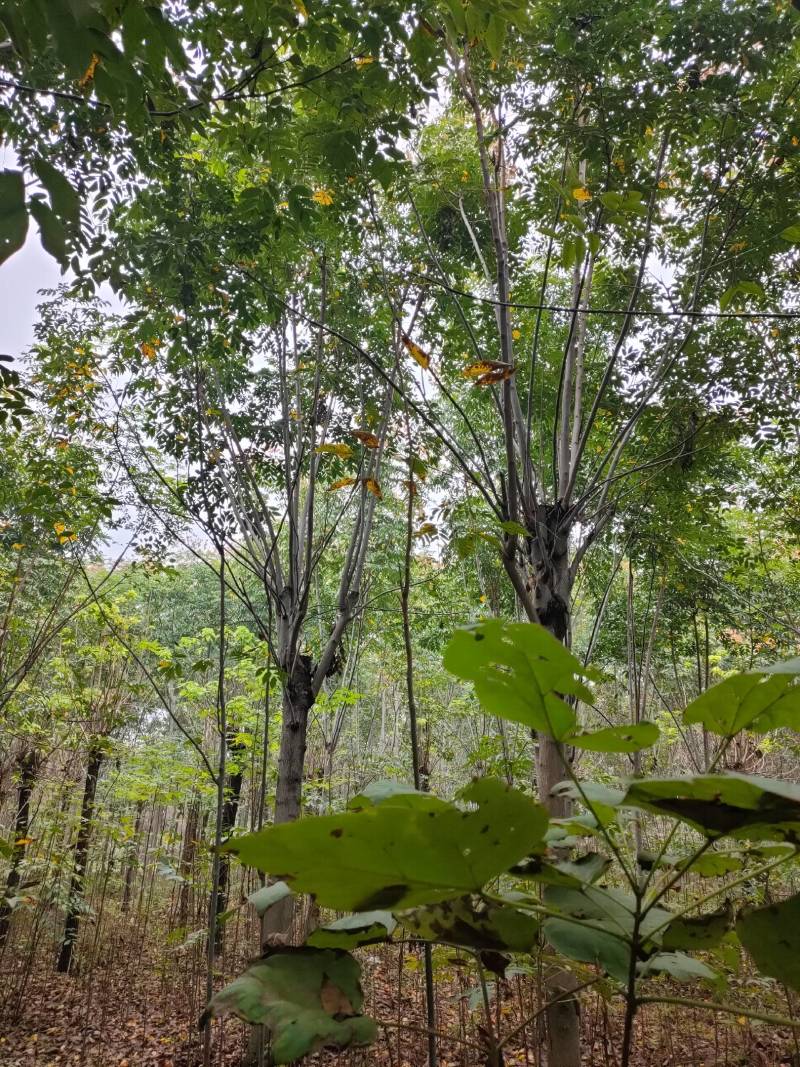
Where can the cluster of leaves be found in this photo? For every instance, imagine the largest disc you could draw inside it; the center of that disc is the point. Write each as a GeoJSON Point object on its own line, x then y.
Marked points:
{"type": "Point", "coordinates": [493, 874]}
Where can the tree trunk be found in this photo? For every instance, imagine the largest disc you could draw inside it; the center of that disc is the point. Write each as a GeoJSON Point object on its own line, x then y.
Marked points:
{"type": "Point", "coordinates": [27, 764]}
{"type": "Point", "coordinates": [64, 964]}
{"type": "Point", "coordinates": [230, 809]}
{"type": "Point", "coordinates": [553, 597]}
{"type": "Point", "coordinates": [298, 699]}
{"type": "Point", "coordinates": [187, 860]}
{"type": "Point", "coordinates": [131, 858]}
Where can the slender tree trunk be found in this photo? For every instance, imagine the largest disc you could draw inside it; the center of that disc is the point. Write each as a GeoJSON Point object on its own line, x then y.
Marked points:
{"type": "Point", "coordinates": [230, 809]}
{"type": "Point", "coordinates": [130, 859]}
{"type": "Point", "coordinates": [298, 699]}
{"type": "Point", "coordinates": [188, 850]}
{"type": "Point", "coordinates": [28, 764]}
{"type": "Point", "coordinates": [65, 962]}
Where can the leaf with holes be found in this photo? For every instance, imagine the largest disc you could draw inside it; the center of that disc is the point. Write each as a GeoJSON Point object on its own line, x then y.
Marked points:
{"type": "Point", "coordinates": [698, 932]}
{"type": "Point", "coordinates": [474, 922]}
{"type": "Point", "coordinates": [405, 849]}
{"type": "Point", "coordinates": [306, 998]}
{"type": "Point", "coordinates": [352, 931]}
{"type": "Point", "coordinates": [735, 805]}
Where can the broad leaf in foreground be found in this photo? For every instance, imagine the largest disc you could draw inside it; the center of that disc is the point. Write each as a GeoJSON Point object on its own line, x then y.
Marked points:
{"type": "Point", "coordinates": [407, 849]}
{"type": "Point", "coordinates": [758, 700]}
{"type": "Point", "coordinates": [307, 998]}
{"type": "Point", "coordinates": [737, 805]}
{"type": "Point", "coordinates": [771, 935]}
{"type": "Point", "coordinates": [631, 738]}
{"type": "Point", "coordinates": [521, 673]}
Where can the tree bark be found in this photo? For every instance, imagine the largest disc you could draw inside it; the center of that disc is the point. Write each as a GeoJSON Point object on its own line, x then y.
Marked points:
{"type": "Point", "coordinates": [65, 962]}
{"type": "Point", "coordinates": [230, 810]}
{"type": "Point", "coordinates": [131, 858]}
{"type": "Point", "coordinates": [28, 764]}
{"type": "Point", "coordinates": [188, 850]}
{"type": "Point", "coordinates": [553, 596]}
{"type": "Point", "coordinates": [298, 700]}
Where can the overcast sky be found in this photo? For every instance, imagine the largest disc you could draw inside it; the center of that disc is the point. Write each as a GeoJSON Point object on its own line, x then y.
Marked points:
{"type": "Point", "coordinates": [21, 278]}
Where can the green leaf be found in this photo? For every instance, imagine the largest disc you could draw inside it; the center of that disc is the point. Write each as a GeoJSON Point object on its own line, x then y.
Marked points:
{"type": "Point", "coordinates": [306, 998]}
{"type": "Point", "coordinates": [52, 233]}
{"type": "Point", "coordinates": [678, 966]}
{"type": "Point", "coordinates": [758, 700]}
{"type": "Point", "coordinates": [512, 527]}
{"type": "Point", "coordinates": [268, 895]}
{"type": "Point", "coordinates": [495, 36]}
{"type": "Point", "coordinates": [584, 869]}
{"type": "Point", "coordinates": [771, 935]}
{"type": "Point", "coordinates": [589, 944]}
{"type": "Point", "coordinates": [63, 198]}
{"type": "Point", "coordinates": [735, 805]}
{"type": "Point", "coordinates": [792, 234]}
{"type": "Point", "coordinates": [351, 931]}
{"type": "Point", "coordinates": [409, 848]}
{"type": "Point", "coordinates": [474, 922]}
{"type": "Point", "coordinates": [698, 932]}
{"type": "Point", "coordinates": [617, 738]}
{"type": "Point", "coordinates": [13, 216]}
{"type": "Point", "coordinates": [521, 673]}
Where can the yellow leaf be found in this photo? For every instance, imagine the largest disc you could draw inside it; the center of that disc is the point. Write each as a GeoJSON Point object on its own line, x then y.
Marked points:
{"type": "Point", "coordinates": [364, 61]}
{"type": "Point", "coordinates": [342, 450]}
{"type": "Point", "coordinates": [323, 196]}
{"type": "Point", "coordinates": [294, 414]}
{"type": "Point", "coordinates": [426, 530]}
{"type": "Point", "coordinates": [663, 185]}
{"type": "Point", "coordinates": [581, 193]}
{"type": "Point", "coordinates": [418, 354]}
{"type": "Point", "coordinates": [147, 350]}
{"type": "Point", "coordinates": [367, 439]}
{"type": "Point", "coordinates": [516, 334]}
{"type": "Point", "coordinates": [649, 132]}
{"type": "Point", "coordinates": [795, 141]}
{"type": "Point", "coordinates": [59, 527]}
{"type": "Point", "coordinates": [88, 74]}
{"type": "Point", "coordinates": [18, 546]}
{"type": "Point", "coordinates": [373, 487]}
{"type": "Point", "coordinates": [22, 841]}
{"type": "Point", "coordinates": [301, 7]}
{"type": "Point", "coordinates": [342, 483]}
{"type": "Point", "coordinates": [741, 1020]}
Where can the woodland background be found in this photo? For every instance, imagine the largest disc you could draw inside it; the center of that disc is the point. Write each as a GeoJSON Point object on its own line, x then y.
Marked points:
{"type": "Point", "coordinates": [431, 313]}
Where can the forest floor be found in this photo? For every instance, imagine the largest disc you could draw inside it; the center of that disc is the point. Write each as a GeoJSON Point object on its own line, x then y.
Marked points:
{"type": "Point", "coordinates": [135, 1006]}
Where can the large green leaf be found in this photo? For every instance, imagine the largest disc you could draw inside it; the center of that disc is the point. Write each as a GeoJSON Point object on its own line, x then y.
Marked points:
{"type": "Point", "coordinates": [307, 998]}
{"type": "Point", "coordinates": [365, 928]}
{"type": "Point", "coordinates": [617, 738]}
{"type": "Point", "coordinates": [736, 805]}
{"type": "Point", "coordinates": [698, 932]}
{"type": "Point", "coordinates": [13, 214]}
{"type": "Point", "coordinates": [474, 922]}
{"type": "Point", "coordinates": [407, 849]}
{"type": "Point", "coordinates": [521, 673]}
{"type": "Point", "coordinates": [589, 943]}
{"type": "Point", "coordinates": [677, 965]}
{"type": "Point", "coordinates": [771, 935]}
{"type": "Point", "coordinates": [759, 701]}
